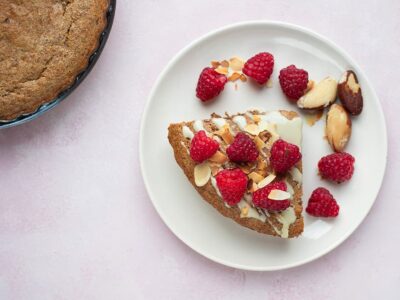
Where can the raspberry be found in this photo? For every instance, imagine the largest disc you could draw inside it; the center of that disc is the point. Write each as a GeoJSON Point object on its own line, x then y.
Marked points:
{"type": "Point", "coordinates": [202, 147]}
{"type": "Point", "coordinates": [243, 149]}
{"type": "Point", "coordinates": [293, 82]}
{"type": "Point", "coordinates": [284, 156]}
{"type": "Point", "coordinates": [232, 183]}
{"type": "Point", "coordinates": [260, 197]}
{"type": "Point", "coordinates": [322, 204]}
{"type": "Point", "coordinates": [210, 84]}
{"type": "Point", "coordinates": [259, 67]}
{"type": "Point", "coordinates": [337, 167]}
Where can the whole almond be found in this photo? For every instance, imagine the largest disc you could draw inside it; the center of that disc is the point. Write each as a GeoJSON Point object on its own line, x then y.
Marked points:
{"type": "Point", "coordinates": [338, 127]}
{"type": "Point", "coordinates": [350, 94]}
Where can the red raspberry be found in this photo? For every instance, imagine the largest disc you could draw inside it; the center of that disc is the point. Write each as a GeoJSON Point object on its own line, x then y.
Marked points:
{"type": "Point", "coordinates": [293, 82]}
{"type": "Point", "coordinates": [202, 147]}
{"type": "Point", "coordinates": [243, 149]}
{"type": "Point", "coordinates": [337, 167]}
{"type": "Point", "coordinates": [210, 84]}
{"type": "Point", "coordinates": [322, 204]}
{"type": "Point", "coordinates": [259, 67]}
{"type": "Point", "coordinates": [260, 197]}
{"type": "Point", "coordinates": [232, 183]}
{"type": "Point", "coordinates": [284, 156]}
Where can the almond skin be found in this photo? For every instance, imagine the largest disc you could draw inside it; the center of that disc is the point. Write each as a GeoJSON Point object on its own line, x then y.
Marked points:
{"type": "Point", "coordinates": [350, 94]}
{"type": "Point", "coordinates": [338, 127]}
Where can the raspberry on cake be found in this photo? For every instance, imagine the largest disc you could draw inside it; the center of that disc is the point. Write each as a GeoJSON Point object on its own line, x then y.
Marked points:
{"type": "Point", "coordinates": [237, 175]}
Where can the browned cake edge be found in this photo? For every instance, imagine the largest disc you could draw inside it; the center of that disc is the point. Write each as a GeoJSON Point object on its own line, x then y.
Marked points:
{"type": "Point", "coordinates": [208, 193]}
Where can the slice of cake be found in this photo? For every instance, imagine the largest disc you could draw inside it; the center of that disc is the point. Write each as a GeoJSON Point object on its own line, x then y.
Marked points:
{"type": "Point", "coordinates": [248, 166]}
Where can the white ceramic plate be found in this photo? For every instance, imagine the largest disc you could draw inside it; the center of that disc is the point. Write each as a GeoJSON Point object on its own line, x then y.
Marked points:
{"type": "Point", "coordinates": [173, 99]}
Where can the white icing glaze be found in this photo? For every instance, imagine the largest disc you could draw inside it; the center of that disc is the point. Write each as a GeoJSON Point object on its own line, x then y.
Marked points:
{"type": "Point", "coordinates": [187, 133]}
{"type": "Point", "coordinates": [290, 189]}
{"type": "Point", "coordinates": [219, 122]}
{"type": "Point", "coordinates": [240, 121]}
{"type": "Point", "coordinates": [286, 218]}
{"type": "Point", "coordinates": [288, 130]}
{"type": "Point", "coordinates": [252, 212]}
{"type": "Point", "coordinates": [198, 125]}
{"type": "Point", "coordinates": [296, 174]}
{"type": "Point", "coordinates": [214, 184]}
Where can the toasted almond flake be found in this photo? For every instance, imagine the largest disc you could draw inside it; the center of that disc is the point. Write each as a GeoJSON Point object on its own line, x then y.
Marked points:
{"type": "Point", "coordinates": [267, 180]}
{"type": "Point", "coordinates": [219, 157]}
{"type": "Point", "coordinates": [215, 64]}
{"type": "Point", "coordinates": [235, 76]}
{"type": "Point", "coordinates": [244, 211]}
{"type": "Point", "coordinates": [202, 173]}
{"type": "Point", "coordinates": [269, 83]}
{"type": "Point", "coordinates": [243, 77]}
{"type": "Point", "coordinates": [253, 187]}
{"type": "Point", "coordinates": [255, 177]}
{"type": "Point", "coordinates": [246, 169]}
{"type": "Point", "coordinates": [222, 70]}
{"type": "Point", "coordinates": [214, 169]}
{"type": "Point", "coordinates": [262, 167]}
{"type": "Point", "coordinates": [256, 118]}
{"type": "Point", "coordinates": [310, 85]}
{"type": "Point", "coordinates": [259, 143]}
{"type": "Point", "coordinates": [225, 134]}
{"type": "Point", "coordinates": [225, 64]}
{"type": "Point", "coordinates": [279, 195]}
{"type": "Point", "coordinates": [236, 63]}
{"type": "Point", "coordinates": [252, 129]}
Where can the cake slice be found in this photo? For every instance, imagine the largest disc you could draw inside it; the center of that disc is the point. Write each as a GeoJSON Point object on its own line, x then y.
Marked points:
{"type": "Point", "coordinates": [248, 131]}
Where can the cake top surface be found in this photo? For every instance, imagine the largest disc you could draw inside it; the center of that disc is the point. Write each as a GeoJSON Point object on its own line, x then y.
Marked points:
{"type": "Point", "coordinates": [44, 45]}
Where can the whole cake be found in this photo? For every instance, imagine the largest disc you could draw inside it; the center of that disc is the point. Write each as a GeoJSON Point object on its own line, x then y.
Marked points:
{"type": "Point", "coordinates": [44, 45]}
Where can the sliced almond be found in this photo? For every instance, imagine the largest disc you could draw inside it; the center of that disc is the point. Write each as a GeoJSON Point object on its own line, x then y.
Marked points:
{"type": "Point", "coordinates": [267, 180]}
{"type": "Point", "coordinates": [262, 167]}
{"type": "Point", "coordinates": [235, 76]}
{"type": "Point", "coordinates": [269, 83]}
{"type": "Point", "coordinates": [243, 78]}
{"type": "Point", "coordinates": [221, 70]}
{"type": "Point", "coordinates": [310, 85]}
{"type": "Point", "coordinates": [321, 95]}
{"type": "Point", "coordinates": [256, 118]}
{"type": "Point", "coordinates": [338, 127]}
{"type": "Point", "coordinates": [215, 64]}
{"type": "Point", "coordinates": [244, 211]}
{"type": "Point", "coordinates": [246, 168]}
{"type": "Point", "coordinates": [259, 143]}
{"type": "Point", "coordinates": [219, 158]}
{"type": "Point", "coordinates": [252, 129]}
{"type": "Point", "coordinates": [225, 134]}
{"type": "Point", "coordinates": [279, 195]}
{"type": "Point", "coordinates": [225, 64]}
{"type": "Point", "coordinates": [255, 177]}
{"type": "Point", "coordinates": [215, 168]}
{"type": "Point", "coordinates": [236, 63]}
{"type": "Point", "coordinates": [202, 174]}
{"type": "Point", "coordinates": [253, 187]}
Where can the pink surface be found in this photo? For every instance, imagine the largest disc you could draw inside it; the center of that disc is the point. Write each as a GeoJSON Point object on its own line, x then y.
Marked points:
{"type": "Point", "coordinates": [76, 221]}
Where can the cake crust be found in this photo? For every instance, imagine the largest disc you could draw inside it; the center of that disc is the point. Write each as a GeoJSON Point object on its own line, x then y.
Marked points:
{"type": "Point", "coordinates": [44, 45]}
{"type": "Point", "coordinates": [209, 194]}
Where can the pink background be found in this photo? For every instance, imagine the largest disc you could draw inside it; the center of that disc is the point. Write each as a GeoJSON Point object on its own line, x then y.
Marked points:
{"type": "Point", "coordinates": [76, 221]}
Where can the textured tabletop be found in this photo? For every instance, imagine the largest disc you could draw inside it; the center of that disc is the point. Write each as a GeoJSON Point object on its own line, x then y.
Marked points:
{"type": "Point", "coordinates": [76, 221]}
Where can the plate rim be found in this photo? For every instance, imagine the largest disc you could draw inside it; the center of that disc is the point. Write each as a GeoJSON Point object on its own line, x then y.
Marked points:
{"type": "Point", "coordinates": [194, 43]}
